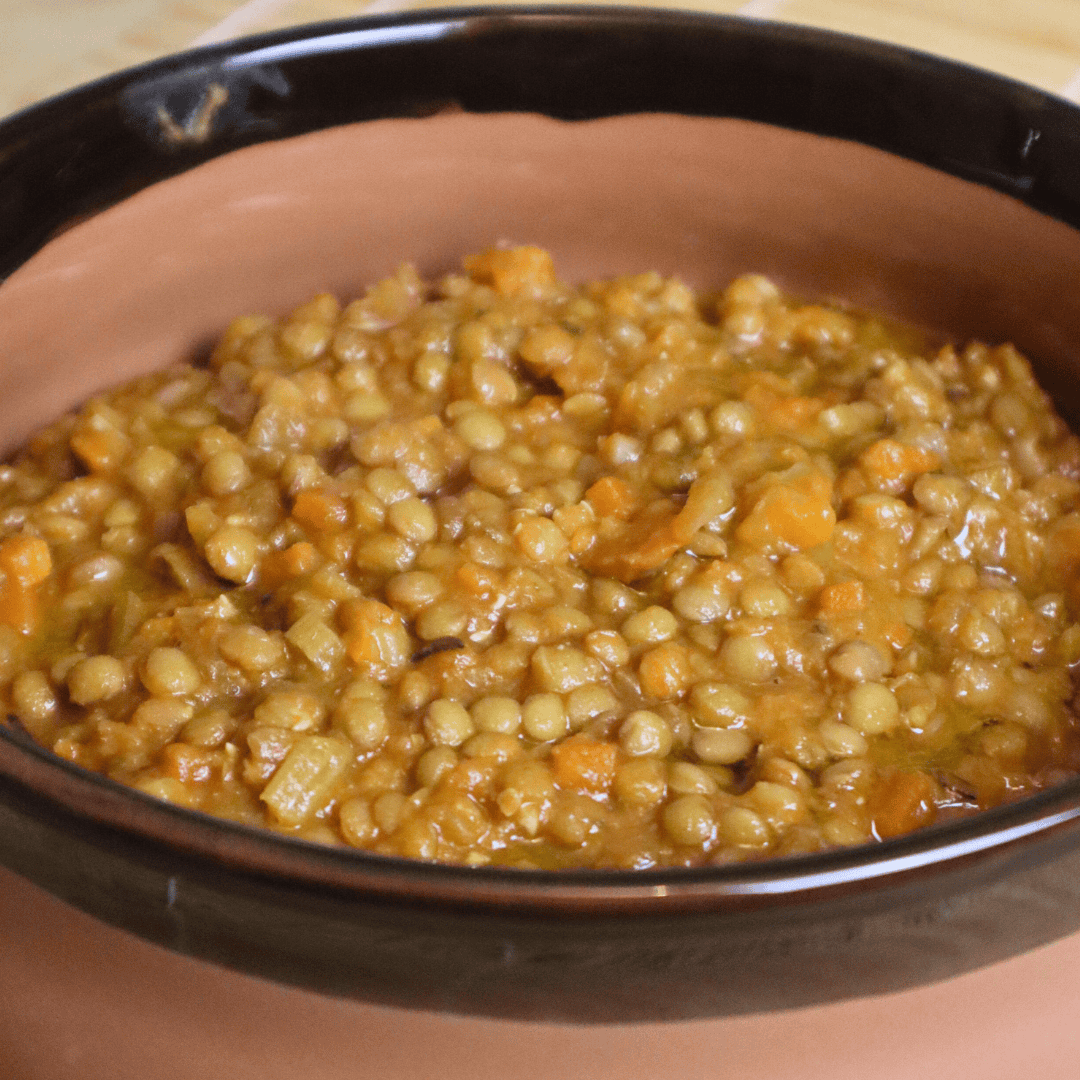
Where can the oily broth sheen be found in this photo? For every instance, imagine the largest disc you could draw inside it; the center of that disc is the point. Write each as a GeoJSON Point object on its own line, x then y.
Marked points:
{"type": "Point", "coordinates": [499, 570]}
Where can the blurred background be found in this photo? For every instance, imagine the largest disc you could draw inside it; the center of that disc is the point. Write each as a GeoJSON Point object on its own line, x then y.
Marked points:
{"type": "Point", "coordinates": [47, 46]}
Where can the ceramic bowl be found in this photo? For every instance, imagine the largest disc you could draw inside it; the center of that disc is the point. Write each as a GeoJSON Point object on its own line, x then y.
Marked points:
{"type": "Point", "coordinates": [138, 214]}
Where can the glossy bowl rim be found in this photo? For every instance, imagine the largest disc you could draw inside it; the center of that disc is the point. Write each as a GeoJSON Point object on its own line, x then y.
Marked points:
{"type": "Point", "coordinates": [153, 826]}
{"type": "Point", "coordinates": [372, 32]}
{"type": "Point", "coordinates": [1024, 827]}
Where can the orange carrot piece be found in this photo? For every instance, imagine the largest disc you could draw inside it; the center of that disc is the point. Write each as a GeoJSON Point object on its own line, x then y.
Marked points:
{"type": "Point", "coordinates": [664, 672]}
{"type": "Point", "coordinates": [794, 513]}
{"type": "Point", "coordinates": [844, 596]}
{"type": "Point", "coordinates": [903, 801]}
{"type": "Point", "coordinates": [794, 412]}
{"type": "Point", "coordinates": [375, 634]}
{"type": "Point", "coordinates": [582, 539]}
{"type": "Point", "coordinates": [511, 270]}
{"type": "Point", "coordinates": [892, 460]}
{"type": "Point", "coordinates": [897, 634]}
{"type": "Point", "coordinates": [100, 450]}
{"type": "Point", "coordinates": [26, 563]}
{"type": "Point", "coordinates": [298, 559]}
{"type": "Point", "coordinates": [611, 497]}
{"type": "Point", "coordinates": [320, 510]}
{"type": "Point", "coordinates": [584, 764]}
{"type": "Point", "coordinates": [479, 580]}
{"type": "Point", "coordinates": [26, 559]}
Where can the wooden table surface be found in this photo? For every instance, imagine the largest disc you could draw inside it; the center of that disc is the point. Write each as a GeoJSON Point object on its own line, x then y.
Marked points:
{"type": "Point", "coordinates": [47, 46]}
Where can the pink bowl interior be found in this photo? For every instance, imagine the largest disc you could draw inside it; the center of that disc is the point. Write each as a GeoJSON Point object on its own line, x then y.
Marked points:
{"type": "Point", "coordinates": [155, 278]}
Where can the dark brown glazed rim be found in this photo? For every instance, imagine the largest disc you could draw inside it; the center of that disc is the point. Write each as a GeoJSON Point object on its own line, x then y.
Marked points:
{"type": "Point", "coordinates": [73, 156]}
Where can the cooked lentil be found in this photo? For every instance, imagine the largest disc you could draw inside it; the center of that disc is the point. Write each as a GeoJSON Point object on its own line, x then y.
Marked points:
{"type": "Point", "coordinates": [501, 570]}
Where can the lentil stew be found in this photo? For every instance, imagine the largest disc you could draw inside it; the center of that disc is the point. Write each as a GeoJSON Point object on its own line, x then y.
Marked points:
{"type": "Point", "coordinates": [499, 570]}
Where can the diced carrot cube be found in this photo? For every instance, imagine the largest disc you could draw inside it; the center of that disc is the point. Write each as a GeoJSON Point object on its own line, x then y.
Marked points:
{"type": "Point", "coordinates": [844, 596]}
{"type": "Point", "coordinates": [794, 412]}
{"type": "Point", "coordinates": [300, 558]}
{"type": "Point", "coordinates": [582, 539]}
{"type": "Point", "coordinates": [584, 764]}
{"type": "Point", "coordinates": [320, 510]}
{"type": "Point", "coordinates": [902, 802]}
{"type": "Point", "coordinates": [892, 460]}
{"type": "Point", "coordinates": [375, 634]}
{"type": "Point", "coordinates": [26, 559]}
{"type": "Point", "coordinates": [652, 536]}
{"type": "Point", "coordinates": [664, 672]}
{"type": "Point", "coordinates": [26, 563]}
{"type": "Point", "coordinates": [296, 560]}
{"type": "Point", "coordinates": [511, 270]}
{"type": "Point", "coordinates": [478, 580]}
{"type": "Point", "coordinates": [794, 513]}
{"type": "Point", "coordinates": [101, 449]}
{"type": "Point", "coordinates": [611, 497]}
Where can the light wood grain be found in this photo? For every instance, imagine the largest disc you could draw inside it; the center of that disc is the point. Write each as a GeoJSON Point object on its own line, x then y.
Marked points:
{"type": "Point", "coordinates": [47, 46]}
{"type": "Point", "coordinates": [1023, 41]}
